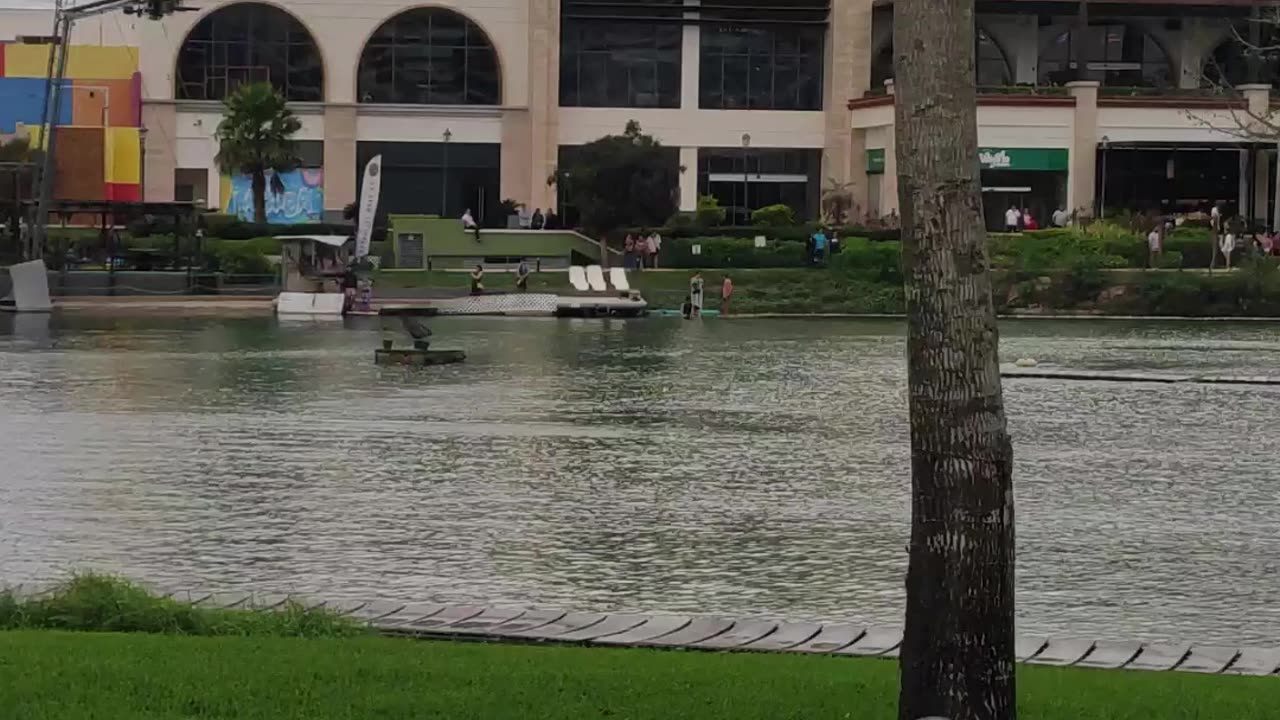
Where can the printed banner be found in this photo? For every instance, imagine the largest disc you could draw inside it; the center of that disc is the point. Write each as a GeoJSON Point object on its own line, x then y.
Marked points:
{"type": "Point", "coordinates": [369, 191]}
{"type": "Point", "coordinates": [301, 202]}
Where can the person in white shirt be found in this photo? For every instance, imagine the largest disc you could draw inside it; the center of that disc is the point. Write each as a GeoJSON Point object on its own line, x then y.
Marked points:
{"type": "Point", "coordinates": [1155, 244]}
{"type": "Point", "coordinates": [1061, 218]}
{"type": "Point", "coordinates": [469, 223]}
{"type": "Point", "coordinates": [1012, 219]}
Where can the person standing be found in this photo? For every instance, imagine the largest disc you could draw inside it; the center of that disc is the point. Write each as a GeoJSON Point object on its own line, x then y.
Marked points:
{"type": "Point", "coordinates": [695, 294]}
{"type": "Point", "coordinates": [477, 280]}
{"type": "Point", "coordinates": [1012, 219]}
{"type": "Point", "coordinates": [629, 252]}
{"type": "Point", "coordinates": [651, 249]}
{"type": "Point", "coordinates": [726, 294]}
{"type": "Point", "coordinates": [537, 221]}
{"type": "Point", "coordinates": [1028, 220]}
{"type": "Point", "coordinates": [1060, 218]}
{"type": "Point", "coordinates": [1155, 245]}
{"type": "Point", "coordinates": [819, 246]}
{"type": "Point", "coordinates": [522, 276]}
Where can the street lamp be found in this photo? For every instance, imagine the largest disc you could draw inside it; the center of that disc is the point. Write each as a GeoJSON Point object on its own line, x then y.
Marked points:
{"type": "Point", "coordinates": [746, 207]}
{"type": "Point", "coordinates": [444, 175]}
{"type": "Point", "coordinates": [1102, 202]}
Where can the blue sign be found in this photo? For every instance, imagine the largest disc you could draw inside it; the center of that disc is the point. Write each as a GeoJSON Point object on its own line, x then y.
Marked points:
{"type": "Point", "coordinates": [301, 202]}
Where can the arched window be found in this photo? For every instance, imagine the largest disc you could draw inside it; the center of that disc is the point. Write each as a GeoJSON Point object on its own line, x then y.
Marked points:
{"type": "Point", "coordinates": [1229, 64]}
{"type": "Point", "coordinates": [992, 66]}
{"type": "Point", "coordinates": [249, 42]}
{"type": "Point", "coordinates": [1115, 55]}
{"type": "Point", "coordinates": [992, 63]}
{"type": "Point", "coordinates": [429, 56]}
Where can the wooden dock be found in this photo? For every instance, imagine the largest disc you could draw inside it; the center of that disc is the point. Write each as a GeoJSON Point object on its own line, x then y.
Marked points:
{"type": "Point", "coordinates": [673, 631]}
{"type": "Point", "coordinates": [1133, 377]}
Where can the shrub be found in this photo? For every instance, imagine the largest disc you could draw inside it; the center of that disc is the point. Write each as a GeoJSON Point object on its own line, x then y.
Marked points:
{"type": "Point", "coordinates": [215, 224]}
{"type": "Point", "coordinates": [728, 252]}
{"type": "Point", "coordinates": [774, 216]}
{"type": "Point", "coordinates": [874, 261]}
{"type": "Point", "coordinates": [103, 603]}
{"type": "Point", "coordinates": [240, 257]}
{"type": "Point", "coordinates": [709, 213]}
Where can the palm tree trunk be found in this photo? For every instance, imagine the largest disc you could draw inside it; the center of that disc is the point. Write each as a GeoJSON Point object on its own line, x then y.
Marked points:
{"type": "Point", "coordinates": [958, 649]}
{"type": "Point", "coordinates": [259, 196]}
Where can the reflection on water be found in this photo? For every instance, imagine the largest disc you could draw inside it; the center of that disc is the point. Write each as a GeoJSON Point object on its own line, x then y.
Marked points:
{"type": "Point", "coordinates": [745, 467]}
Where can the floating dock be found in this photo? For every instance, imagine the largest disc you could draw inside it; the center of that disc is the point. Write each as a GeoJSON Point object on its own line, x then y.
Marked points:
{"type": "Point", "coordinates": [1133, 377]}
{"type": "Point", "coordinates": [519, 305]}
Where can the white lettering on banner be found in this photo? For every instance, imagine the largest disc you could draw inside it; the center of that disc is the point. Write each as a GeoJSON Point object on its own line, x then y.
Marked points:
{"type": "Point", "coordinates": [998, 160]}
{"type": "Point", "coordinates": [368, 205]}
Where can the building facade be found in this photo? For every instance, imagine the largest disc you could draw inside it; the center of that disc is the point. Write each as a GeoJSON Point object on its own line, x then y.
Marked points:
{"type": "Point", "coordinates": [1140, 106]}
{"type": "Point", "coordinates": [473, 102]}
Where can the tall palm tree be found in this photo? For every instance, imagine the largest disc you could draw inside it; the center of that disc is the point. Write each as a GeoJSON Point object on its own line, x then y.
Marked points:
{"type": "Point", "coordinates": [958, 648]}
{"type": "Point", "coordinates": [256, 135]}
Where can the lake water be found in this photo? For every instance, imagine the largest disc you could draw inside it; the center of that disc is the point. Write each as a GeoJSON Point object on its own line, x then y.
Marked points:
{"type": "Point", "coordinates": [746, 467]}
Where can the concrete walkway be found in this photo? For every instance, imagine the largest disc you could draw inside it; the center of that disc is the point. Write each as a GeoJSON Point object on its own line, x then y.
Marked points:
{"type": "Point", "coordinates": [505, 624]}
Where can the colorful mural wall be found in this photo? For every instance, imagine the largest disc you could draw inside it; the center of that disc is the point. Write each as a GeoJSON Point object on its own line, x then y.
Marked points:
{"type": "Point", "coordinates": [301, 202]}
{"type": "Point", "coordinates": [101, 109]}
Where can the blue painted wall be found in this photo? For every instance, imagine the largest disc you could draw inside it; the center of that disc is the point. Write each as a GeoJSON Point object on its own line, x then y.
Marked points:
{"type": "Point", "coordinates": [21, 100]}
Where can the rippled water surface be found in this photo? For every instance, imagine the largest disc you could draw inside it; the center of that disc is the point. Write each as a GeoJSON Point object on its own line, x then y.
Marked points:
{"type": "Point", "coordinates": [752, 467]}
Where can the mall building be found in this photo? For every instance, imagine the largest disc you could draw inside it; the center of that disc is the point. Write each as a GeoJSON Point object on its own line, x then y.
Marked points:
{"type": "Point", "coordinates": [761, 101]}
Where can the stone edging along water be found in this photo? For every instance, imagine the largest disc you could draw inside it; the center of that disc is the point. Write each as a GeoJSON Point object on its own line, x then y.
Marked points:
{"type": "Point", "coordinates": [502, 624]}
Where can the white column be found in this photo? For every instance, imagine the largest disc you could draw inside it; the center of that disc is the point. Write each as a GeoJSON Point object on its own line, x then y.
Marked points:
{"type": "Point", "coordinates": [1084, 147]}
{"type": "Point", "coordinates": [213, 191]}
{"type": "Point", "coordinates": [689, 179]}
{"type": "Point", "coordinates": [690, 54]}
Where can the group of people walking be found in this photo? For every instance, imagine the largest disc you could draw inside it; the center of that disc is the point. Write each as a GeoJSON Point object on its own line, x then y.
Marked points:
{"type": "Point", "coordinates": [641, 251]}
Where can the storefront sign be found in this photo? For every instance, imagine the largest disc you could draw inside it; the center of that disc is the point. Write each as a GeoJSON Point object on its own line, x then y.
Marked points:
{"type": "Point", "coordinates": [1033, 159]}
{"type": "Point", "coordinates": [1042, 159]}
{"type": "Point", "coordinates": [875, 162]}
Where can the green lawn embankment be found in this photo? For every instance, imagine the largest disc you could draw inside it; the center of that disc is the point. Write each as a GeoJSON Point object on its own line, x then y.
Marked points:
{"type": "Point", "coordinates": [781, 290]}
{"type": "Point", "coordinates": [48, 675]}
{"type": "Point", "coordinates": [169, 659]}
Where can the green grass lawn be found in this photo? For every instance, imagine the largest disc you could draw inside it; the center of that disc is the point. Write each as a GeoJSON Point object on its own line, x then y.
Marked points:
{"type": "Point", "coordinates": [63, 675]}
{"type": "Point", "coordinates": [796, 290]}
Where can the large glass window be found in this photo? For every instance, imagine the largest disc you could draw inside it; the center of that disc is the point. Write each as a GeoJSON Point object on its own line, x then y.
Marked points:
{"type": "Point", "coordinates": [747, 179]}
{"type": "Point", "coordinates": [429, 56]}
{"type": "Point", "coordinates": [762, 67]}
{"type": "Point", "coordinates": [249, 42]}
{"type": "Point", "coordinates": [437, 178]}
{"type": "Point", "coordinates": [619, 64]}
{"type": "Point", "coordinates": [1230, 64]}
{"type": "Point", "coordinates": [1115, 55]}
{"type": "Point", "coordinates": [992, 65]}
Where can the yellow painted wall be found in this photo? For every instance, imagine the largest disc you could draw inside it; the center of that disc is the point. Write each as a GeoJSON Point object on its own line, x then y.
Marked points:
{"type": "Point", "coordinates": [122, 156]}
{"type": "Point", "coordinates": [84, 62]}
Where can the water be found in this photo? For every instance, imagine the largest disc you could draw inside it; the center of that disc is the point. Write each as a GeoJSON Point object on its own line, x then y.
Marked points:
{"type": "Point", "coordinates": [745, 468]}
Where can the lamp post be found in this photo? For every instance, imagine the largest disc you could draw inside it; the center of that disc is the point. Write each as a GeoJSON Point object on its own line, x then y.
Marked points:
{"type": "Point", "coordinates": [746, 208]}
{"type": "Point", "coordinates": [444, 175]}
{"type": "Point", "coordinates": [1102, 201]}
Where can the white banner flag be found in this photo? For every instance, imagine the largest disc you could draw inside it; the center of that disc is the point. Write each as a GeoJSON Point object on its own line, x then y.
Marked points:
{"type": "Point", "coordinates": [368, 205]}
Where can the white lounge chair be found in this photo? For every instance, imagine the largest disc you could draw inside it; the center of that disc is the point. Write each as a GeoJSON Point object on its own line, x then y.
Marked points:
{"type": "Point", "coordinates": [618, 278]}
{"type": "Point", "coordinates": [578, 278]}
{"type": "Point", "coordinates": [595, 276]}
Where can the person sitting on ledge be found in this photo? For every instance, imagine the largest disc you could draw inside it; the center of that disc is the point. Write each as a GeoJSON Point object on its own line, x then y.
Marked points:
{"type": "Point", "coordinates": [469, 223]}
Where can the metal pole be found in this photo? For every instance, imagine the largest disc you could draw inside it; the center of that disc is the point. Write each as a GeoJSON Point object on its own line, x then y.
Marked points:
{"type": "Point", "coordinates": [41, 225]}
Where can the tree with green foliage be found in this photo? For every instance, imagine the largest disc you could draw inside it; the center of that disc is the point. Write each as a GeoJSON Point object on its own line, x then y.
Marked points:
{"type": "Point", "coordinates": [256, 136]}
{"type": "Point", "coordinates": [625, 180]}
